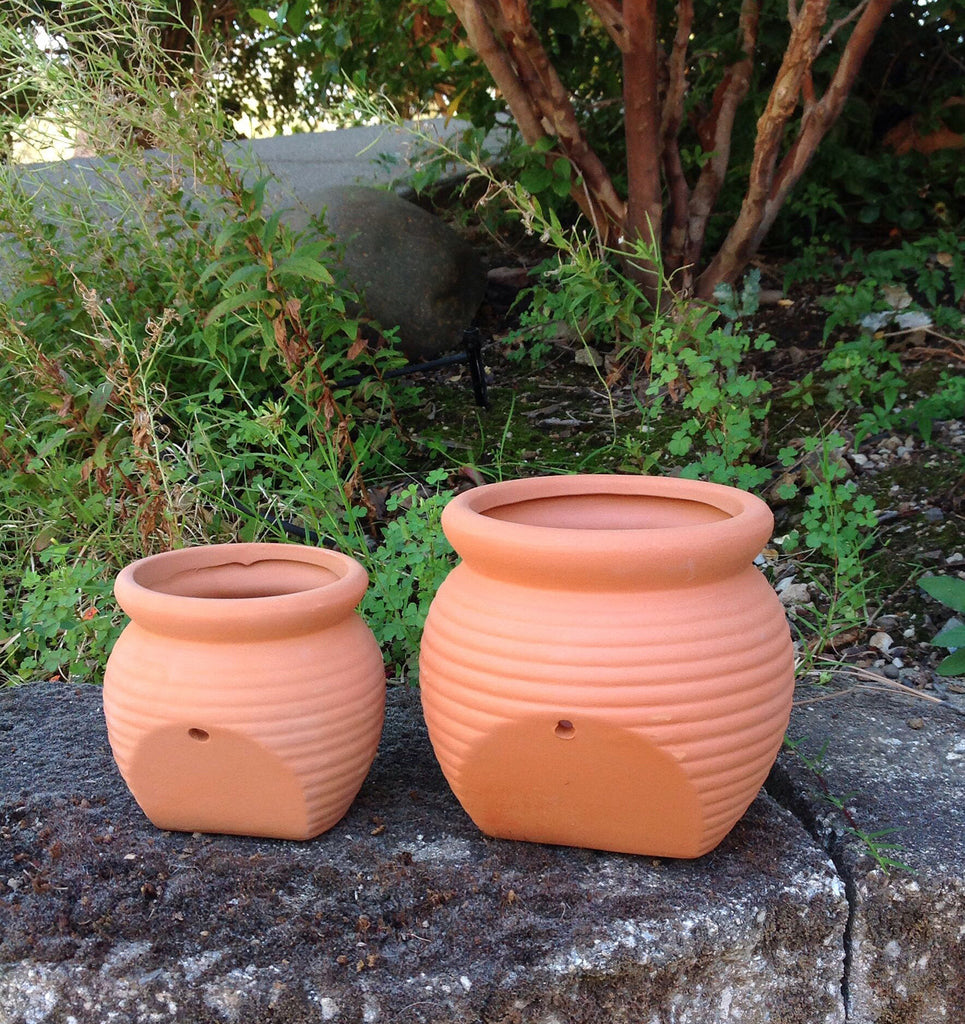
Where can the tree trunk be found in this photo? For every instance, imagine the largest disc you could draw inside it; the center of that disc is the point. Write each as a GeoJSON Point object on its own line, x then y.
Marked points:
{"type": "Point", "coordinates": [768, 186]}
{"type": "Point", "coordinates": [502, 34]}
{"type": "Point", "coordinates": [642, 124]}
{"type": "Point", "coordinates": [715, 134]}
{"type": "Point", "coordinates": [820, 116]}
{"type": "Point", "coordinates": [675, 233]}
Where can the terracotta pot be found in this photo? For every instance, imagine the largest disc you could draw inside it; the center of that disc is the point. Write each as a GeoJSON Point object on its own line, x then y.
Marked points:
{"type": "Point", "coordinates": [246, 695]}
{"type": "Point", "coordinates": [606, 668]}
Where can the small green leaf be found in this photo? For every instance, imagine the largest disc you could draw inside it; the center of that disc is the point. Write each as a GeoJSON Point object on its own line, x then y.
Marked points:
{"type": "Point", "coordinates": [99, 457]}
{"type": "Point", "coordinates": [243, 273]}
{"type": "Point", "coordinates": [304, 266]}
{"type": "Point", "coordinates": [536, 179]}
{"type": "Point", "coordinates": [869, 214]}
{"type": "Point", "coordinates": [233, 302]}
{"type": "Point", "coordinates": [271, 229]}
{"type": "Point", "coordinates": [948, 589]}
{"type": "Point", "coordinates": [953, 665]}
{"type": "Point", "coordinates": [950, 636]}
{"type": "Point", "coordinates": [261, 17]}
{"type": "Point", "coordinates": [98, 403]}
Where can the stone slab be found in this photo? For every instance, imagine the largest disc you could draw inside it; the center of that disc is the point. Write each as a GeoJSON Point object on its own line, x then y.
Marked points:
{"type": "Point", "coordinates": [897, 762]}
{"type": "Point", "coordinates": [402, 913]}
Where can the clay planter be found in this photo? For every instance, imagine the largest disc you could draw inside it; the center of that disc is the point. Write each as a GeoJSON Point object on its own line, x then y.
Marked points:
{"type": "Point", "coordinates": [246, 695]}
{"type": "Point", "coordinates": [606, 668]}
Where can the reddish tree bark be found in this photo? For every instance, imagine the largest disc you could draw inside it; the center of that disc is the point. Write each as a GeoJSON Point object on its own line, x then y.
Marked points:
{"type": "Point", "coordinates": [715, 135]}
{"type": "Point", "coordinates": [768, 184]}
{"type": "Point", "coordinates": [662, 208]}
{"type": "Point", "coordinates": [501, 32]}
{"type": "Point", "coordinates": [671, 120]}
{"type": "Point", "coordinates": [642, 125]}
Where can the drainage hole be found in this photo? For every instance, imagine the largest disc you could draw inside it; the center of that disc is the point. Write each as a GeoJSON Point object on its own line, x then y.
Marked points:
{"type": "Point", "coordinates": [201, 735]}
{"type": "Point", "coordinates": [565, 729]}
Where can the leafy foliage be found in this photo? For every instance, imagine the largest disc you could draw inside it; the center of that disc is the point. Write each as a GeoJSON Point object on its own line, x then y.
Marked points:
{"type": "Point", "coordinates": [173, 353]}
{"type": "Point", "coordinates": [406, 569]}
{"type": "Point", "coordinates": [166, 341]}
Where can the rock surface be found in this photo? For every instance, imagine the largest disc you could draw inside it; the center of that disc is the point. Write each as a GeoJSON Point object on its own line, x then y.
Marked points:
{"type": "Point", "coordinates": [411, 270]}
{"type": "Point", "coordinates": [402, 913]}
{"type": "Point", "coordinates": [405, 913]}
{"type": "Point", "coordinates": [898, 763]}
{"type": "Point", "coordinates": [416, 272]}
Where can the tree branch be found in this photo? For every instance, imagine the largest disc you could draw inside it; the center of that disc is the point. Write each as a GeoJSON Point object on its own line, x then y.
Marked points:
{"type": "Point", "coordinates": [612, 18]}
{"type": "Point", "coordinates": [673, 104]}
{"type": "Point", "coordinates": [482, 39]}
{"type": "Point", "coordinates": [819, 117]}
{"type": "Point", "coordinates": [783, 99]}
{"type": "Point", "coordinates": [673, 113]}
{"type": "Point", "coordinates": [840, 23]}
{"type": "Point", "coordinates": [717, 131]}
{"type": "Point", "coordinates": [501, 32]}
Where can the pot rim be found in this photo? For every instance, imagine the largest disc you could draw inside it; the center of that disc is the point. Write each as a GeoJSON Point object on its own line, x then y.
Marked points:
{"type": "Point", "coordinates": [136, 591]}
{"type": "Point", "coordinates": [607, 556]}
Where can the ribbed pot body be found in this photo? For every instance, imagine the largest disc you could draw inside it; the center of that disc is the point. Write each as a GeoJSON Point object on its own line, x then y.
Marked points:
{"type": "Point", "coordinates": [246, 695]}
{"type": "Point", "coordinates": [606, 668]}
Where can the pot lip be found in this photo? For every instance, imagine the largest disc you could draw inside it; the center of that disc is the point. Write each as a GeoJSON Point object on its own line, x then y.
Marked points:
{"type": "Point", "coordinates": [136, 595]}
{"type": "Point", "coordinates": [523, 547]}
{"type": "Point", "coordinates": [733, 501]}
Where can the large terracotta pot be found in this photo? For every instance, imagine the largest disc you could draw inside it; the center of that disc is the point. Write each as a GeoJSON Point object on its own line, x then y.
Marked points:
{"type": "Point", "coordinates": [246, 695]}
{"type": "Point", "coordinates": [606, 668]}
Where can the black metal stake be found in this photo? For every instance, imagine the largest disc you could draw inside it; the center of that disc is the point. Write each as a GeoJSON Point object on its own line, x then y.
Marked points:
{"type": "Point", "coordinates": [471, 354]}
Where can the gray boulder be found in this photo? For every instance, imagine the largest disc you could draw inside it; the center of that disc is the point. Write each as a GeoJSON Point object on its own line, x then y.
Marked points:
{"type": "Point", "coordinates": [410, 268]}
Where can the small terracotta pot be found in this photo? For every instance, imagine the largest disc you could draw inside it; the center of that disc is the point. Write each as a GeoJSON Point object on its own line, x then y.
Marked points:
{"type": "Point", "coordinates": [246, 695]}
{"type": "Point", "coordinates": [606, 668]}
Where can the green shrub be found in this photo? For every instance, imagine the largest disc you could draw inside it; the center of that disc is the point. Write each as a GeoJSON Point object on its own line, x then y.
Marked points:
{"type": "Point", "coordinates": [171, 351]}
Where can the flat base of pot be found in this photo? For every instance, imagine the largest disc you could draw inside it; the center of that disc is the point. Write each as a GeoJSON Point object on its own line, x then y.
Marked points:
{"type": "Point", "coordinates": [583, 783]}
{"type": "Point", "coordinates": [193, 779]}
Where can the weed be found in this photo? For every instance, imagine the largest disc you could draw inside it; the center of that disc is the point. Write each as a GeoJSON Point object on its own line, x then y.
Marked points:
{"type": "Point", "coordinates": [922, 281]}
{"type": "Point", "coordinates": [837, 526]}
{"type": "Point", "coordinates": [63, 617]}
{"type": "Point", "coordinates": [945, 402]}
{"type": "Point", "coordinates": [170, 347]}
{"type": "Point", "coordinates": [722, 407]}
{"type": "Point", "coordinates": [405, 571]}
{"type": "Point", "coordinates": [881, 851]}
